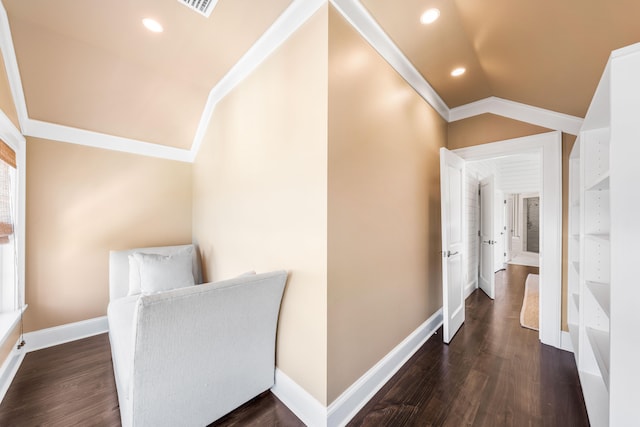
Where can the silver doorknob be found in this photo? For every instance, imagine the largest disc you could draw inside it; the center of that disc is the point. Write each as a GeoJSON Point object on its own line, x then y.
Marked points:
{"type": "Point", "coordinates": [447, 254]}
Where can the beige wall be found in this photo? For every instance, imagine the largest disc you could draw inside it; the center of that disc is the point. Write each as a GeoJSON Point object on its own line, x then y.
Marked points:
{"type": "Point", "coordinates": [384, 268]}
{"type": "Point", "coordinates": [490, 128]}
{"type": "Point", "coordinates": [487, 128]}
{"type": "Point", "coordinates": [259, 200]}
{"type": "Point", "coordinates": [82, 202]}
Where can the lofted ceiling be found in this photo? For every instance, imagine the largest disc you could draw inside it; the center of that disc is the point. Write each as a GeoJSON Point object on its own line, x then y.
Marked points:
{"type": "Point", "coordinates": [548, 54]}
{"type": "Point", "coordinates": [92, 65]}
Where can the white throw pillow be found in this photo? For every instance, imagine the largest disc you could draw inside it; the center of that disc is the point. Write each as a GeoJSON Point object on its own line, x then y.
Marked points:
{"type": "Point", "coordinates": [164, 272]}
{"type": "Point", "coordinates": [134, 276]}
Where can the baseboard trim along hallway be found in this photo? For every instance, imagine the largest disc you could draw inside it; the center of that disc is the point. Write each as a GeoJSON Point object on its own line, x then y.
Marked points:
{"type": "Point", "coordinates": [10, 367]}
{"type": "Point", "coordinates": [347, 405]}
{"type": "Point", "coordinates": [57, 335]}
{"type": "Point", "coordinates": [45, 338]}
{"type": "Point", "coordinates": [298, 400]}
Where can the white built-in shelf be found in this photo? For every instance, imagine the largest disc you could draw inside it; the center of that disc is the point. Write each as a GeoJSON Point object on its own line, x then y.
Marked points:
{"type": "Point", "coordinates": [600, 184]}
{"type": "Point", "coordinates": [574, 333]}
{"type": "Point", "coordinates": [596, 156]}
{"type": "Point", "coordinates": [600, 344]}
{"type": "Point", "coordinates": [596, 398]}
{"type": "Point", "coordinates": [597, 261]}
{"type": "Point", "coordinates": [599, 237]}
{"type": "Point", "coordinates": [603, 218]}
{"type": "Point", "coordinates": [576, 300]}
{"type": "Point", "coordinates": [597, 213]}
{"type": "Point", "coordinates": [602, 294]}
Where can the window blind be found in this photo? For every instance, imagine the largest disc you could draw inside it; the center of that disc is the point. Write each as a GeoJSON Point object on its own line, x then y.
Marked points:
{"type": "Point", "coordinates": [7, 161]}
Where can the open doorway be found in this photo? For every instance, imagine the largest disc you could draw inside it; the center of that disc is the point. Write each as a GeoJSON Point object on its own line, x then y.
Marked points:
{"type": "Point", "coordinates": [532, 224]}
{"type": "Point", "coordinates": [548, 148]}
{"type": "Point", "coordinates": [498, 233]}
{"type": "Point", "coordinates": [524, 217]}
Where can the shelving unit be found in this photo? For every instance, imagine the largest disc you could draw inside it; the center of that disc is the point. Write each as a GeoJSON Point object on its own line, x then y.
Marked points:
{"type": "Point", "coordinates": [604, 213]}
{"type": "Point", "coordinates": [574, 248]}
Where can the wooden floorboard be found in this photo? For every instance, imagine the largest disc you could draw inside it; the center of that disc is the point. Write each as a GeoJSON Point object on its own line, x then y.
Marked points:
{"type": "Point", "coordinates": [494, 373]}
{"type": "Point", "coordinates": [73, 385]}
{"type": "Point", "coordinates": [70, 384]}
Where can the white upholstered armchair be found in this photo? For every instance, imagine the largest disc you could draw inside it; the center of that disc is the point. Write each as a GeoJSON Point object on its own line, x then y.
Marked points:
{"type": "Point", "coordinates": [187, 356]}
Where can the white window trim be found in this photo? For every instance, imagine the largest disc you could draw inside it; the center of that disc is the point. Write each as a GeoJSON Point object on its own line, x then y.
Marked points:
{"type": "Point", "coordinates": [14, 139]}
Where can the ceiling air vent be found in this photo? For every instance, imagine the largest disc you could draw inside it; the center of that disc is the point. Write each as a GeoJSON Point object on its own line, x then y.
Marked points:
{"type": "Point", "coordinates": [203, 7]}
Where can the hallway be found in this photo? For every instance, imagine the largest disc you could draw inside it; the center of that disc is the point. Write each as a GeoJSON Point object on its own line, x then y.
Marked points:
{"type": "Point", "coordinates": [494, 373]}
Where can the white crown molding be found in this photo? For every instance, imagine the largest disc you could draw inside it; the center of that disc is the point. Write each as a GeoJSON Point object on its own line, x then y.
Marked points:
{"type": "Point", "coordinates": [286, 24]}
{"type": "Point", "coordinates": [11, 66]}
{"type": "Point", "coordinates": [358, 16]}
{"type": "Point", "coordinates": [291, 19]}
{"type": "Point", "coordinates": [55, 132]}
{"type": "Point", "coordinates": [9, 133]}
{"type": "Point", "coordinates": [518, 111]}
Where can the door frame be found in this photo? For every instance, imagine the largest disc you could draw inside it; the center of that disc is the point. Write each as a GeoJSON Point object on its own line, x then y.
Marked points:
{"type": "Point", "coordinates": [549, 145]}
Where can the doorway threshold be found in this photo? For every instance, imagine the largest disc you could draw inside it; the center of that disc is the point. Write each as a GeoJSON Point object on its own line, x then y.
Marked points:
{"type": "Point", "coordinates": [526, 258]}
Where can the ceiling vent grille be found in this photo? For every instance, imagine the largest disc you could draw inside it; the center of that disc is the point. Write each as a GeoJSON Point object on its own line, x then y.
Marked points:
{"type": "Point", "coordinates": [203, 7]}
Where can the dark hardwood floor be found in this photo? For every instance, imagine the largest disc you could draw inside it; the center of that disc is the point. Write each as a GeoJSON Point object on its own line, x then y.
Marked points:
{"type": "Point", "coordinates": [73, 385]}
{"type": "Point", "coordinates": [69, 384]}
{"type": "Point", "coordinates": [494, 373]}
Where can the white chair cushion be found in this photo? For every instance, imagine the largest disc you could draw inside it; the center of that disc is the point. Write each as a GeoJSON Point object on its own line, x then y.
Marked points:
{"type": "Point", "coordinates": [159, 273]}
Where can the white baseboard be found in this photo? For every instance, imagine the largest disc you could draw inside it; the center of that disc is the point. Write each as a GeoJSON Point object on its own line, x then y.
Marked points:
{"type": "Point", "coordinates": [565, 341]}
{"type": "Point", "coordinates": [347, 405]}
{"type": "Point", "coordinates": [9, 368]}
{"type": "Point", "coordinates": [471, 286]}
{"type": "Point", "coordinates": [299, 401]}
{"type": "Point", "coordinates": [65, 333]}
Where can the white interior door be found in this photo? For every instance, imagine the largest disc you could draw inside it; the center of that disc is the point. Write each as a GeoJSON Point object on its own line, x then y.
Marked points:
{"type": "Point", "coordinates": [498, 229]}
{"type": "Point", "coordinates": [486, 279]}
{"type": "Point", "coordinates": [451, 188]}
{"type": "Point", "coordinates": [509, 222]}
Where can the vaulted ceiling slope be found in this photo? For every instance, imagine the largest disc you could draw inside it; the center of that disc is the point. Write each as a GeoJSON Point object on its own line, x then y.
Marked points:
{"type": "Point", "coordinates": [548, 54]}
{"type": "Point", "coordinates": [92, 65]}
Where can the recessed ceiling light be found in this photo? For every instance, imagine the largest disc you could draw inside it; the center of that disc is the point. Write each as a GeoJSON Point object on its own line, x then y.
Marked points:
{"type": "Point", "coordinates": [458, 71]}
{"type": "Point", "coordinates": [430, 16]}
{"type": "Point", "coordinates": [152, 25]}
